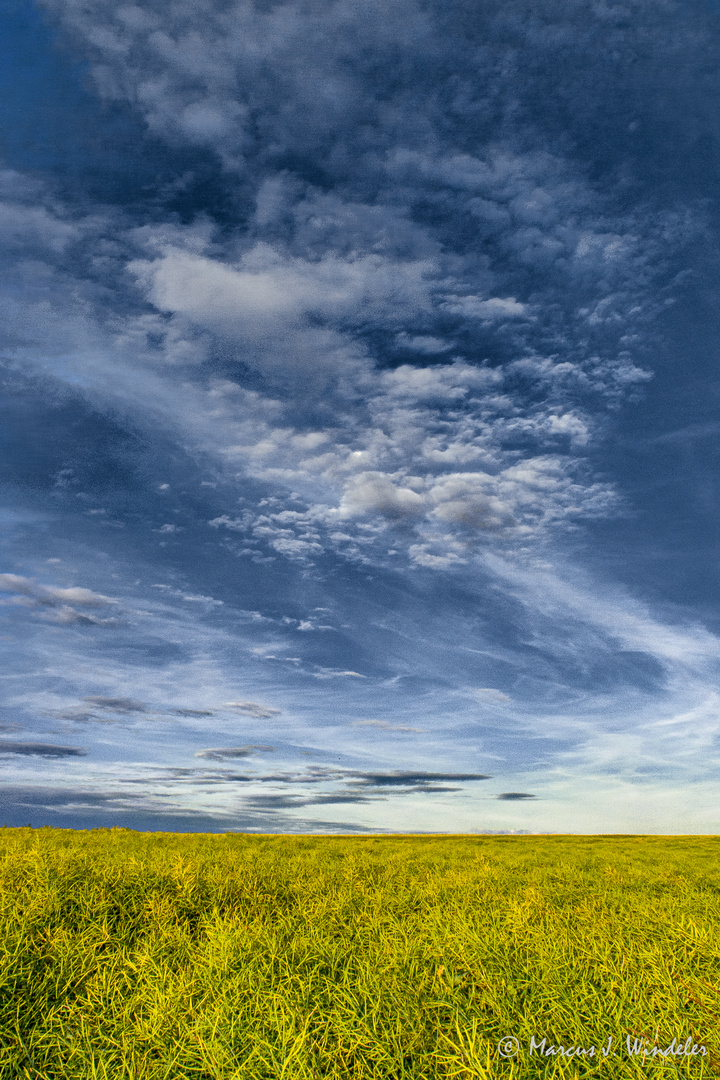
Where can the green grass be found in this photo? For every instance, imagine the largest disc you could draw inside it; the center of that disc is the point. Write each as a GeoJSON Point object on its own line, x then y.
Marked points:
{"type": "Point", "coordinates": [204, 956]}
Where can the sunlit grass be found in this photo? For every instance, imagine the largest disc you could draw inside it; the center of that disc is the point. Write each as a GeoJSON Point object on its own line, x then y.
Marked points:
{"type": "Point", "coordinates": [206, 956]}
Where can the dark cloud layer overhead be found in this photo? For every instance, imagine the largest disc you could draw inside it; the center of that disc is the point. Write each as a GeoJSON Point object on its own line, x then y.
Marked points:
{"type": "Point", "coordinates": [360, 397]}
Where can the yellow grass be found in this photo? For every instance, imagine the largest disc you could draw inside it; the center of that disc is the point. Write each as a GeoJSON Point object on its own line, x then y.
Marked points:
{"type": "Point", "coordinates": [207, 956]}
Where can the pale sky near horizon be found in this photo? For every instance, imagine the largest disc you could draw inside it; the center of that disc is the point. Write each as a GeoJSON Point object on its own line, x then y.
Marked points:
{"type": "Point", "coordinates": [360, 415]}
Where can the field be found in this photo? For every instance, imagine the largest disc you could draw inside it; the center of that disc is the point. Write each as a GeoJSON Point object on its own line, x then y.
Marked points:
{"type": "Point", "coordinates": [207, 956]}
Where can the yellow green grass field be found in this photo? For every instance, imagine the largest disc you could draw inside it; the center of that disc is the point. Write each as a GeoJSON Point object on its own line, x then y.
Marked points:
{"type": "Point", "coordinates": [161, 955]}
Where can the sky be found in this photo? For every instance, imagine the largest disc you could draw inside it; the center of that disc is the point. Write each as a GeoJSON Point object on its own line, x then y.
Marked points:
{"type": "Point", "coordinates": [360, 415]}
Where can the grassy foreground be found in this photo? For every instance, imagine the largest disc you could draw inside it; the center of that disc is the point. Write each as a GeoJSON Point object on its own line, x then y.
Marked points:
{"type": "Point", "coordinates": [206, 956]}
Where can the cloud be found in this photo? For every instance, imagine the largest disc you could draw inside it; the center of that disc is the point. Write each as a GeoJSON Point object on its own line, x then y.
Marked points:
{"type": "Point", "coordinates": [53, 604]}
{"type": "Point", "coordinates": [439, 510]}
{"type": "Point", "coordinates": [267, 293]}
{"type": "Point", "coordinates": [528, 283]}
{"type": "Point", "coordinates": [226, 753]}
{"type": "Point", "coordinates": [192, 776]}
{"type": "Point", "coordinates": [414, 780]}
{"type": "Point", "coordinates": [515, 795]}
{"type": "Point", "coordinates": [398, 781]}
{"type": "Point", "coordinates": [491, 694]}
{"type": "Point", "coordinates": [423, 343]}
{"type": "Point", "coordinates": [103, 709]}
{"type": "Point", "coordinates": [488, 310]}
{"type": "Point", "coordinates": [51, 595]}
{"type": "Point", "coordinates": [290, 801]}
{"type": "Point", "coordinates": [116, 704]}
{"type": "Point", "coordinates": [47, 750]}
{"type": "Point", "coordinates": [385, 725]}
{"type": "Point", "coordinates": [82, 716]}
{"type": "Point", "coordinates": [373, 492]}
{"type": "Point", "coordinates": [299, 301]}
{"type": "Point", "coordinates": [329, 673]}
{"type": "Point", "coordinates": [251, 708]}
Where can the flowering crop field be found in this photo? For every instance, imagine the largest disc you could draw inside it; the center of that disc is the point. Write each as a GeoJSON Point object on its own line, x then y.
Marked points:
{"type": "Point", "coordinates": [162, 955]}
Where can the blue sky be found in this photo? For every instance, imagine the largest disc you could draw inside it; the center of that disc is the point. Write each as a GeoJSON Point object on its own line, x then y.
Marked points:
{"type": "Point", "coordinates": [360, 415]}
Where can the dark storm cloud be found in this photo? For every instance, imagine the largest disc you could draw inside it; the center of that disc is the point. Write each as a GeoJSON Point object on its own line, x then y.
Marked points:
{"type": "Point", "coordinates": [47, 750]}
{"type": "Point", "coordinates": [515, 795]}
